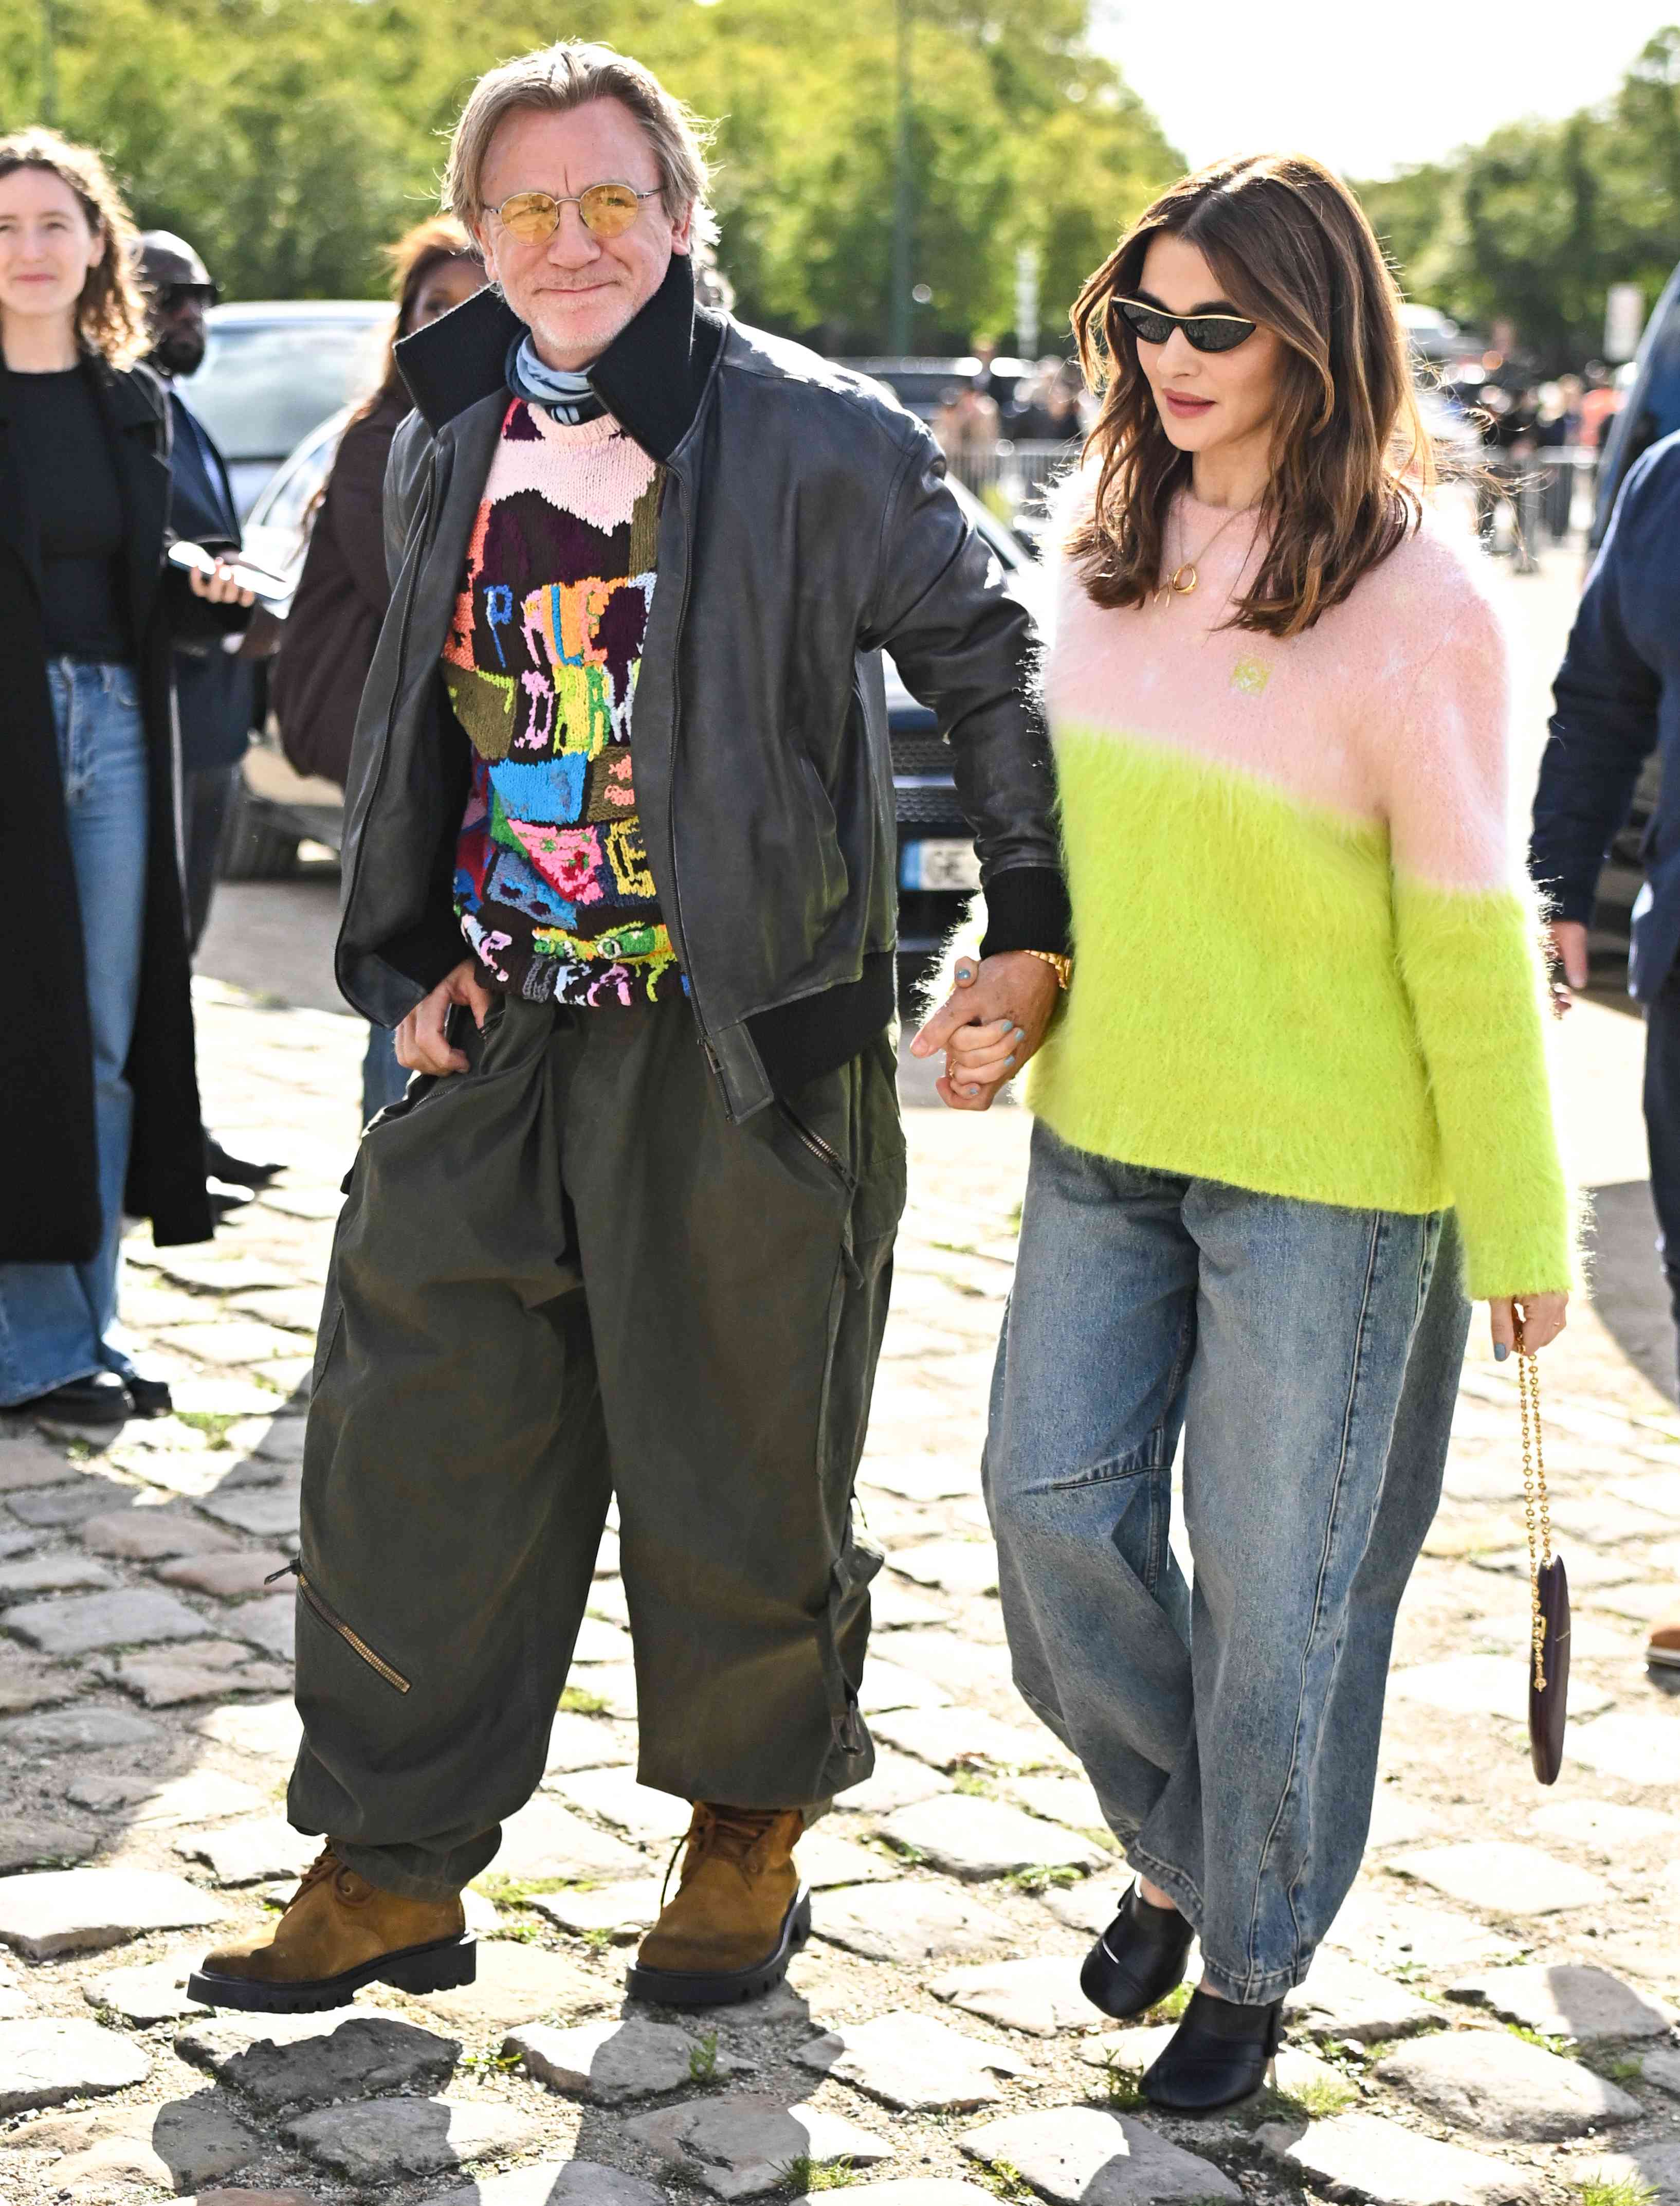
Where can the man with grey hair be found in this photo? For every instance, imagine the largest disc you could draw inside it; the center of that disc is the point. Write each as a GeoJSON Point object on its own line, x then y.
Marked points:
{"type": "Point", "coordinates": [628, 1234]}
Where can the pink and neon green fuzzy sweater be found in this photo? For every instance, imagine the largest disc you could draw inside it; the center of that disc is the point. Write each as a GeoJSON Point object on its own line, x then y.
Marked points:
{"type": "Point", "coordinates": [1304, 961]}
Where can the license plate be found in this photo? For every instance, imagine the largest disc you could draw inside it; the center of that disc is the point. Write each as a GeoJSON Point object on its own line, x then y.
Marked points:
{"type": "Point", "coordinates": [939, 865]}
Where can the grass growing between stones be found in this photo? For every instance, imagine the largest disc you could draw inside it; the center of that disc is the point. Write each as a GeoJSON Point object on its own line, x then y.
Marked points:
{"type": "Point", "coordinates": [805, 2174]}
{"type": "Point", "coordinates": [964, 1780]}
{"type": "Point", "coordinates": [1317, 2102]}
{"type": "Point", "coordinates": [214, 1424]}
{"type": "Point", "coordinates": [703, 2059]}
{"type": "Point", "coordinates": [1005, 2180]}
{"type": "Point", "coordinates": [1617, 2190]}
{"type": "Point", "coordinates": [576, 1702]}
{"type": "Point", "coordinates": [1042, 1875]}
{"type": "Point", "coordinates": [1617, 2067]}
{"type": "Point", "coordinates": [1122, 2089]}
{"type": "Point", "coordinates": [1172, 2006]}
{"type": "Point", "coordinates": [1563, 2048]}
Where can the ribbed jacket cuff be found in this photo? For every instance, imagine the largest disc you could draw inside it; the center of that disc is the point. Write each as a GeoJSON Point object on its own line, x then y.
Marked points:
{"type": "Point", "coordinates": [1027, 908]}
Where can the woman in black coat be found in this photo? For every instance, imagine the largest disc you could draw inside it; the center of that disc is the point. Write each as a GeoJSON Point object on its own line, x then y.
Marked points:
{"type": "Point", "coordinates": [98, 1094]}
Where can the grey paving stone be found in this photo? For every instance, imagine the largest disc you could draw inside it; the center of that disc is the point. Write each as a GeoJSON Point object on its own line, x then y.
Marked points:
{"type": "Point", "coordinates": [918, 1477]}
{"type": "Point", "coordinates": [1486, 1686]}
{"type": "Point", "coordinates": [912, 2060]}
{"type": "Point", "coordinates": [87, 1496]}
{"type": "Point", "coordinates": [827, 1861]}
{"type": "Point", "coordinates": [914, 1920]}
{"type": "Point", "coordinates": [1081, 2157]}
{"type": "Point", "coordinates": [613, 1684]}
{"type": "Point", "coordinates": [180, 2145]}
{"type": "Point", "coordinates": [1402, 1934]}
{"type": "Point", "coordinates": [1661, 2067]}
{"type": "Point", "coordinates": [267, 1512]}
{"type": "Point", "coordinates": [1360, 2156]}
{"type": "Point", "coordinates": [26, 1684]}
{"type": "Point", "coordinates": [32, 1842]}
{"type": "Point", "coordinates": [1069, 1801]}
{"type": "Point", "coordinates": [623, 1910]}
{"type": "Point", "coordinates": [898, 1780]}
{"type": "Point", "coordinates": [240, 1576]}
{"type": "Point", "coordinates": [556, 2182]}
{"type": "Point", "coordinates": [952, 1659]}
{"type": "Point", "coordinates": [888, 1686]}
{"type": "Point", "coordinates": [319, 2059]}
{"type": "Point", "coordinates": [250, 1852]}
{"type": "Point", "coordinates": [81, 1623]}
{"type": "Point", "coordinates": [1559, 2001]}
{"type": "Point", "coordinates": [967, 1835]}
{"type": "Point", "coordinates": [271, 1625]}
{"type": "Point", "coordinates": [1504, 1878]}
{"type": "Point", "coordinates": [961, 1566]}
{"type": "Point", "coordinates": [18, 1543]}
{"type": "Point", "coordinates": [1090, 1906]}
{"type": "Point", "coordinates": [66, 1730]}
{"type": "Point", "coordinates": [150, 1536]}
{"type": "Point", "coordinates": [36, 1574]}
{"type": "Point", "coordinates": [201, 1796]}
{"type": "Point", "coordinates": [156, 1991]}
{"type": "Point", "coordinates": [385, 2140]}
{"type": "Point", "coordinates": [516, 1983]}
{"type": "Point", "coordinates": [1342, 1998]}
{"type": "Point", "coordinates": [269, 1731]}
{"type": "Point", "coordinates": [81, 1910]}
{"type": "Point", "coordinates": [1491, 2082]}
{"type": "Point", "coordinates": [740, 2144]}
{"type": "Point", "coordinates": [1640, 1750]}
{"type": "Point", "coordinates": [614, 1797]}
{"type": "Point", "coordinates": [208, 1670]}
{"type": "Point", "coordinates": [26, 1461]}
{"type": "Point", "coordinates": [277, 1439]}
{"type": "Point", "coordinates": [894, 1607]}
{"type": "Point", "coordinates": [629, 2057]}
{"type": "Point", "coordinates": [948, 1737]}
{"type": "Point", "coordinates": [1041, 1995]}
{"type": "Point", "coordinates": [45, 2060]}
{"type": "Point", "coordinates": [587, 1742]}
{"type": "Point", "coordinates": [544, 1840]}
{"type": "Point", "coordinates": [1602, 1824]}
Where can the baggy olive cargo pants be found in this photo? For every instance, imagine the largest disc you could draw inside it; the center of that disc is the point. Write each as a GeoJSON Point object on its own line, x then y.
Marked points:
{"type": "Point", "coordinates": [558, 1277]}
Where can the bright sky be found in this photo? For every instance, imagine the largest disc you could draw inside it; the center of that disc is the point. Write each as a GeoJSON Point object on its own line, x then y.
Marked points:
{"type": "Point", "coordinates": [1368, 87]}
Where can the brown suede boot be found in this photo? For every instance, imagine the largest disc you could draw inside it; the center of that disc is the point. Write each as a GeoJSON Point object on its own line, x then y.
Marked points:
{"type": "Point", "coordinates": [339, 1933]}
{"type": "Point", "coordinates": [739, 1915]}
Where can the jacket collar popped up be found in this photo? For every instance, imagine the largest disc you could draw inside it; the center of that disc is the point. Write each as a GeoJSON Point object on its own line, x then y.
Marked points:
{"type": "Point", "coordinates": [651, 378]}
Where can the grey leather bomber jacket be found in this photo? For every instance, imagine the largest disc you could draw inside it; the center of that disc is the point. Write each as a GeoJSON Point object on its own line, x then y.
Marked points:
{"type": "Point", "coordinates": [805, 525]}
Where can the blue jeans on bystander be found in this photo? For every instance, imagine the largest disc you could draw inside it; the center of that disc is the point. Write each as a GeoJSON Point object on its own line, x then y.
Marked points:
{"type": "Point", "coordinates": [54, 1318]}
{"type": "Point", "coordinates": [1310, 1356]}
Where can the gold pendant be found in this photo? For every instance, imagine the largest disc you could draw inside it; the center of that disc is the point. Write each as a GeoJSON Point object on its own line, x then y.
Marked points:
{"type": "Point", "coordinates": [1179, 584]}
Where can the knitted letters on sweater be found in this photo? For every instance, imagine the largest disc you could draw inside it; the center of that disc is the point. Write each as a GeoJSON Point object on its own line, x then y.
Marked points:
{"type": "Point", "coordinates": [551, 880]}
{"type": "Point", "coordinates": [1303, 961]}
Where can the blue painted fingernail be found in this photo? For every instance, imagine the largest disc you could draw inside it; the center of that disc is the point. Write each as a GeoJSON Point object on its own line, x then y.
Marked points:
{"type": "Point", "coordinates": [1500, 1352]}
{"type": "Point", "coordinates": [1009, 1059]}
{"type": "Point", "coordinates": [963, 973]}
{"type": "Point", "coordinates": [971, 1091]}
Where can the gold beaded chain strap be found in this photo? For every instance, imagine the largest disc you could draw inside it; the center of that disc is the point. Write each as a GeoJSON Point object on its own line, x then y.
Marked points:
{"type": "Point", "coordinates": [1548, 1663]}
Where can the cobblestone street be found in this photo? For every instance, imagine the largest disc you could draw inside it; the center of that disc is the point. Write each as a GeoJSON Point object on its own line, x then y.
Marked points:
{"type": "Point", "coordinates": [1487, 2022]}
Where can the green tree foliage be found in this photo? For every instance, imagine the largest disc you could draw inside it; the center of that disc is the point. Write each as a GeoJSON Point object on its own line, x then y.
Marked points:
{"type": "Point", "coordinates": [289, 139]}
{"type": "Point", "coordinates": [1538, 221]}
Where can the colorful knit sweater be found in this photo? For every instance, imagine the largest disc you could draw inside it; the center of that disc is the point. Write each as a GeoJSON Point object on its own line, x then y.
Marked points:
{"type": "Point", "coordinates": [551, 883]}
{"type": "Point", "coordinates": [1303, 963]}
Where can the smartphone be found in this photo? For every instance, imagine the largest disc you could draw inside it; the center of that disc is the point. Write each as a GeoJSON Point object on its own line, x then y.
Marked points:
{"type": "Point", "coordinates": [272, 589]}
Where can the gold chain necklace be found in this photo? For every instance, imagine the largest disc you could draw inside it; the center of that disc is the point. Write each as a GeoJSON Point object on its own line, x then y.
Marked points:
{"type": "Point", "coordinates": [1185, 577]}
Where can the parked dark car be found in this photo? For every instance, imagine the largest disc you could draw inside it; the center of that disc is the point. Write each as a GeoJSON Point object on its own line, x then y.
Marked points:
{"type": "Point", "coordinates": [937, 867]}
{"type": "Point", "coordinates": [1652, 408]}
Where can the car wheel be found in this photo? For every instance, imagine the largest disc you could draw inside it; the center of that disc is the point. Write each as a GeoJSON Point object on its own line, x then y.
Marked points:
{"type": "Point", "coordinates": [255, 845]}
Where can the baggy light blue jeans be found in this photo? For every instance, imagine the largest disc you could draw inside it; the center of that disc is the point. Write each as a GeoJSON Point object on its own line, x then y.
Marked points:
{"type": "Point", "coordinates": [56, 1319]}
{"type": "Point", "coordinates": [1310, 1356]}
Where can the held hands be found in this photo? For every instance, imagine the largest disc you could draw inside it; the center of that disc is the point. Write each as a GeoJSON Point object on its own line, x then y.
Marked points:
{"type": "Point", "coordinates": [422, 1040]}
{"type": "Point", "coordinates": [994, 1019]}
{"type": "Point", "coordinates": [220, 587]}
{"type": "Point", "coordinates": [1544, 1317]}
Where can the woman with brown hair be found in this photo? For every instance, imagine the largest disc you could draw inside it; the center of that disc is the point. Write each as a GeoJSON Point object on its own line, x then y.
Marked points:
{"type": "Point", "coordinates": [316, 681]}
{"type": "Point", "coordinates": [98, 1100]}
{"type": "Point", "coordinates": [1295, 1110]}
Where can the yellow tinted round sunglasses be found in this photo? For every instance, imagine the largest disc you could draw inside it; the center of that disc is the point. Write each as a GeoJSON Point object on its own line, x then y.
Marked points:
{"type": "Point", "coordinates": [606, 211]}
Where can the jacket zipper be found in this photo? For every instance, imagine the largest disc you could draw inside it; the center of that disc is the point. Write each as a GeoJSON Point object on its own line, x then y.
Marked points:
{"type": "Point", "coordinates": [402, 654]}
{"type": "Point", "coordinates": [711, 1057]}
{"type": "Point", "coordinates": [819, 1149]}
{"type": "Point", "coordinates": [335, 1622]}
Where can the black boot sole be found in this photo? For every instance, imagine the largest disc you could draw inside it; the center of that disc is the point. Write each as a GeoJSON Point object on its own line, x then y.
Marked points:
{"type": "Point", "coordinates": [442, 1966]}
{"type": "Point", "coordinates": [678, 1988]}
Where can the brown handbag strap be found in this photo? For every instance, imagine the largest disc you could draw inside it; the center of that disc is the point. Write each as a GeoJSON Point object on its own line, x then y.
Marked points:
{"type": "Point", "coordinates": [1536, 1505]}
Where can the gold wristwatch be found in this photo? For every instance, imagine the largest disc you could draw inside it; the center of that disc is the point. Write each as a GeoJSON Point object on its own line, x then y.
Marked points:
{"type": "Point", "coordinates": [1060, 966]}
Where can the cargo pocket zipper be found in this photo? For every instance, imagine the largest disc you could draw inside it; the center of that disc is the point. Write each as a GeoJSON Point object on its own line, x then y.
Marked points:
{"type": "Point", "coordinates": [335, 1622]}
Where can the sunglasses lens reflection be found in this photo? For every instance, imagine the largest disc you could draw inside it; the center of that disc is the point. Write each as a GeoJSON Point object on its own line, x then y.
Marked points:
{"type": "Point", "coordinates": [1154, 329]}
{"type": "Point", "coordinates": [530, 216]}
{"type": "Point", "coordinates": [1214, 336]}
{"type": "Point", "coordinates": [608, 210]}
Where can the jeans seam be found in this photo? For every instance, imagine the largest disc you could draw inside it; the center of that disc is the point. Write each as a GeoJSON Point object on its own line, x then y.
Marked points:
{"type": "Point", "coordinates": [1377, 1225]}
